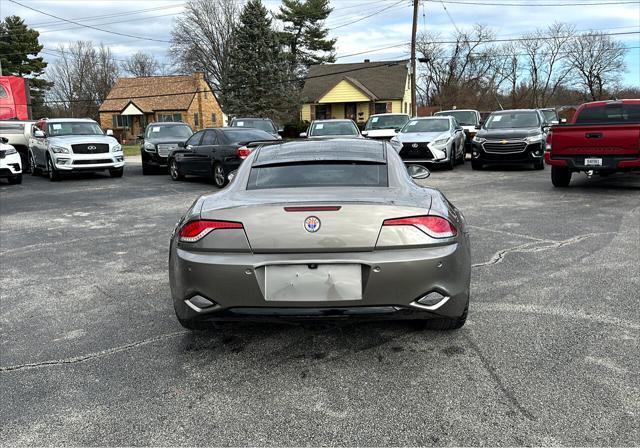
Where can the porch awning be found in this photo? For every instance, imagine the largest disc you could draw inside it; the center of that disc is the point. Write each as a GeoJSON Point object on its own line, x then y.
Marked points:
{"type": "Point", "coordinates": [131, 109]}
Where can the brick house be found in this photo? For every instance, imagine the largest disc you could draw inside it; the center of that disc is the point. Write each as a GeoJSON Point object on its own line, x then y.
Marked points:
{"type": "Point", "coordinates": [356, 90]}
{"type": "Point", "coordinates": [133, 103]}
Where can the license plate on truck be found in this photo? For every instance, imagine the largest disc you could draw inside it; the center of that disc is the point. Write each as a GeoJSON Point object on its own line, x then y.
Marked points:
{"type": "Point", "coordinates": [313, 282]}
{"type": "Point", "coordinates": [593, 162]}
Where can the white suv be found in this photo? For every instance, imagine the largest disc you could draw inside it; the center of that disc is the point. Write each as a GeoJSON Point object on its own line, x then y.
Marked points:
{"type": "Point", "coordinates": [10, 163]}
{"type": "Point", "coordinates": [73, 144]}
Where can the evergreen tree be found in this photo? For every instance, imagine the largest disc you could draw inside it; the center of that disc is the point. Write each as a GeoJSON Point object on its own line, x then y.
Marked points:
{"type": "Point", "coordinates": [17, 44]}
{"type": "Point", "coordinates": [304, 33]}
{"type": "Point", "coordinates": [258, 81]}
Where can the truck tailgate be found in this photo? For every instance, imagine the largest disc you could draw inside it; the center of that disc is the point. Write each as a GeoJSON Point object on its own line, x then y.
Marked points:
{"type": "Point", "coordinates": [596, 140]}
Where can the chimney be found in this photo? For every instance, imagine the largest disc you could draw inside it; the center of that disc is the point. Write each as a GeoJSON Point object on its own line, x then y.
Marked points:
{"type": "Point", "coordinates": [367, 61]}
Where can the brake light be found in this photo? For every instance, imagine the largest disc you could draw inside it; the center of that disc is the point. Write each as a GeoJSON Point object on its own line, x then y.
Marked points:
{"type": "Point", "coordinates": [434, 226]}
{"type": "Point", "coordinates": [548, 145]}
{"type": "Point", "coordinates": [196, 230]}
{"type": "Point", "coordinates": [243, 152]}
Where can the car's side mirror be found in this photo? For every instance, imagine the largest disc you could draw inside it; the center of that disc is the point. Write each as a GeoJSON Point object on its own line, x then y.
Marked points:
{"type": "Point", "coordinates": [365, 133]}
{"type": "Point", "coordinates": [563, 120]}
{"type": "Point", "coordinates": [418, 172]}
{"type": "Point", "coordinates": [140, 136]}
{"type": "Point", "coordinates": [4, 140]}
{"type": "Point", "coordinates": [478, 126]}
{"type": "Point", "coordinates": [303, 135]}
{"type": "Point", "coordinates": [180, 144]}
{"type": "Point", "coordinates": [109, 132]}
{"type": "Point", "coordinates": [397, 130]}
{"type": "Point", "coordinates": [38, 133]}
{"type": "Point", "coordinates": [232, 175]}
{"type": "Point", "coordinates": [280, 131]}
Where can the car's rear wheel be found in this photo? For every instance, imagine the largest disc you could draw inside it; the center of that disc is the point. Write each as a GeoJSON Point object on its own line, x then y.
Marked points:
{"type": "Point", "coordinates": [174, 171]}
{"type": "Point", "coordinates": [116, 172]}
{"type": "Point", "coordinates": [219, 175]}
{"type": "Point", "coordinates": [445, 323]}
{"type": "Point", "coordinates": [17, 179]}
{"type": "Point", "coordinates": [194, 325]}
{"type": "Point", "coordinates": [560, 177]}
{"type": "Point", "coordinates": [52, 173]}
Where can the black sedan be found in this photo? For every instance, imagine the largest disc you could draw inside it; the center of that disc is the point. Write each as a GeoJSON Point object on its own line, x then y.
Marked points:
{"type": "Point", "coordinates": [214, 153]}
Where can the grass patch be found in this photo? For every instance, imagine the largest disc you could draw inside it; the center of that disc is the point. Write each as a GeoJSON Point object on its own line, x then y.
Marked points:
{"type": "Point", "coordinates": [131, 150]}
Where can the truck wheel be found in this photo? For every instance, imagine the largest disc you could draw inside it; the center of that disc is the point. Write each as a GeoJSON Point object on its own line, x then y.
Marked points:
{"type": "Point", "coordinates": [54, 176]}
{"type": "Point", "coordinates": [17, 179]}
{"type": "Point", "coordinates": [560, 177]}
{"type": "Point", "coordinates": [476, 165]}
{"type": "Point", "coordinates": [116, 172]}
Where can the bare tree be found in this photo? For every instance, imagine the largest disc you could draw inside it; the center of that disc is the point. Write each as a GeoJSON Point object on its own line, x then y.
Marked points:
{"type": "Point", "coordinates": [597, 61]}
{"type": "Point", "coordinates": [545, 58]}
{"type": "Point", "coordinates": [201, 38]}
{"type": "Point", "coordinates": [141, 64]}
{"type": "Point", "coordinates": [83, 75]}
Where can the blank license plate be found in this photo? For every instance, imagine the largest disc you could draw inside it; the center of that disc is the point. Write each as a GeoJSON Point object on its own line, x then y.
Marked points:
{"type": "Point", "coordinates": [593, 162]}
{"type": "Point", "coordinates": [321, 282]}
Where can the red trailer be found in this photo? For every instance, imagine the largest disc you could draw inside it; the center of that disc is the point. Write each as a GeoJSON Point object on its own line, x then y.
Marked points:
{"type": "Point", "coordinates": [15, 102]}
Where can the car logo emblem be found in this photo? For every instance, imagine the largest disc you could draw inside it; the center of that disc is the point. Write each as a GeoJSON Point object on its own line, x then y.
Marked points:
{"type": "Point", "coordinates": [504, 142]}
{"type": "Point", "coordinates": [415, 145]}
{"type": "Point", "coordinates": [312, 224]}
{"type": "Point", "coordinates": [91, 148]}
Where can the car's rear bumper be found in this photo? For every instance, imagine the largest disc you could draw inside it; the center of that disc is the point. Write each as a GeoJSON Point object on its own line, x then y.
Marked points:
{"type": "Point", "coordinates": [609, 163]}
{"type": "Point", "coordinates": [392, 282]}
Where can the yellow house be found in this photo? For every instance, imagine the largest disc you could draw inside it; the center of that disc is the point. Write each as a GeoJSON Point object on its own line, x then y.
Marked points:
{"type": "Point", "coordinates": [356, 90]}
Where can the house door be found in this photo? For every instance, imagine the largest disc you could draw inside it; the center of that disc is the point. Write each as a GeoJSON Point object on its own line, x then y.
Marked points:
{"type": "Point", "coordinates": [350, 111]}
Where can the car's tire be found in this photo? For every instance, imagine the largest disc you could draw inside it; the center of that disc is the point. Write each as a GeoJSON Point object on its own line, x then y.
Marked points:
{"type": "Point", "coordinates": [35, 171]}
{"type": "Point", "coordinates": [476, 165]}
{"type": "Point", "coordinates": [219, 175]}
{"type": "Point", "coordinates": [195, 325]}
{"type": "Point", "coordinates": [539, 165]}
{"type": "Point", "coordinates": [462, 155]}
{"type": "Point", "coordinates": [452, 160]}
{"type": "Point", "coordinates": [174, 171]}
{"type": "Point", "coordinates": [116, 172]}
{"type": "Point", "coordinates": [446, 323]}
{"type": "Point", "coordinates": [560, 177]}
{"type": "Point", "coordinates": [52, 173]}
{"type": "Point", "coordinates": [16, 179]}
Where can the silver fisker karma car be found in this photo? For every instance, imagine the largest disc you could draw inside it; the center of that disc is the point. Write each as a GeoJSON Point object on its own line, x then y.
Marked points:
{"type": "Point", "coordinates": [322, 229]}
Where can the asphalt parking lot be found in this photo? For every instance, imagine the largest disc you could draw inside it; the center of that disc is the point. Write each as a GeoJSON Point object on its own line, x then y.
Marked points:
{"type": "Point", "coordinates": [91, 353]}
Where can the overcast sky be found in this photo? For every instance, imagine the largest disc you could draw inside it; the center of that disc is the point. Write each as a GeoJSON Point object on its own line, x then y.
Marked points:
{"type": "Point", "coordinates": [389, 27]}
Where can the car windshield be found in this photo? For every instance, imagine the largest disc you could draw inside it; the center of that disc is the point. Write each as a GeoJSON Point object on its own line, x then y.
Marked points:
{"type": "Point", "coordinates": [464, 117]}
{"type": "Point", "coordinates": [169, 131]}
{"type": "Point", "coordinates": [263, 125]}
{"type": "Point", "coordinates": [512, 120]}
{"type": "Point", "coordinates": [550, 115]}
{"type": "Point", "coordinates": [247, 135]}
{"type": "Point", "coordinates": [429, 125]}
{"type": "Point", "coordinates": [333, 128]}
{"type": "Point", "coordinates": [73, 128]}
{"type": "Point", "coordinates": [386, 122]}
{"type": "Point", "coordinates": [321, 174]}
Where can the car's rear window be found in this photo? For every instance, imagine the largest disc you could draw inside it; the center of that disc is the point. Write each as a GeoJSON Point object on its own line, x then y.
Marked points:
{"type": "Point", "coordinates": [610, 113]}
{"type": "Point", "coordinates": [246, 135]}
{"type": "Point", "coordinates": [319, 174]}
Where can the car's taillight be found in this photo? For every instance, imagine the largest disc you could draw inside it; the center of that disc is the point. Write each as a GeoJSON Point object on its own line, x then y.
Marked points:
{"type": "Point", "coordinates": [196, 230]}
{"type": "Point", "coordinates": [548, 145]}
{"type": "Point", "coordinates": [434, 226]}
{"type": "Point", "coordinates": [243, 152]}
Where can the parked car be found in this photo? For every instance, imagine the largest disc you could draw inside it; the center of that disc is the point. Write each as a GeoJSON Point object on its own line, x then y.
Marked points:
{"type": "Point", "coordinates": [334, 128]}
{"type": "Point", "coordinates": [18, 134]}
{"type": "Point", "coordinates": [158, 140]}
{"type": "Point", "coordinates": [438, 140]}
{"type": "Point", "coordinates": [469, 119]}
{"type": "Point", "coordinates": [10, 162]}
{"type": "Point", "coordinates": [550, 116]}
{"type": "Point", "coordinates": [65, 145]}
{"type": "Point", "coordinates": [603, 137]}
{"type": "Point", "coordinates": [511, 137]}
{"type": "Point", "coordinates": [322, 229]}
{"type": "Point", "coordinates": [215, 152]}
{"type": "Point", "coordinates": [384, 126]}
{"type": "Point", "coordinates": [264, 124]}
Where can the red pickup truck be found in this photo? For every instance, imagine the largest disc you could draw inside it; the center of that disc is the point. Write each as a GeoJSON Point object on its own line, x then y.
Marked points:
{"type": "Point", "coordinates": [602, 137]}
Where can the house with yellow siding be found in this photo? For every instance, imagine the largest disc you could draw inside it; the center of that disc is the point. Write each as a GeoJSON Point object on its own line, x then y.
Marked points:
{"type": "Point", "coordinates": [133, 103]}
{"type": "Point", "coordinates": [356, 90]}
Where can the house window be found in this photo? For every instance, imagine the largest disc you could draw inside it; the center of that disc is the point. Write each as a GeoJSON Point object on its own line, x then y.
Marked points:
{"type": "Point", "coordinates": [213, 119]}
{"type": "Point", "coordinates": [169, 117]}
{"type": "Point", "coordinates": [121, 121]}
{"type": "Point", "coordinates": [380, 108]}
{"type": "Point", "coordinates": [196, 119]}
{"type": "Point", "coordinates": [323, 111]}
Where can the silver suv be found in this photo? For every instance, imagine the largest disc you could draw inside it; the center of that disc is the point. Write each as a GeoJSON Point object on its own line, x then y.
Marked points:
{"type": "Point", "coordinates": [63, 145]}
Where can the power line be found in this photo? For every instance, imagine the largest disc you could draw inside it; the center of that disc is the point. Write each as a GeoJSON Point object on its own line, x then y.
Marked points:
{"type": "Point", "coordinates": [89, 26]}
{"type": "Point", "coordinates": [479, 3]}
{"type": "Point", "coordinates": [367, 16]}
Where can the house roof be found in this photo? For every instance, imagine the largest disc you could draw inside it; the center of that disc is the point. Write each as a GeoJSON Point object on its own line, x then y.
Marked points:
{"type": "Point", "coordinates": [378, 80]}
{"type": "Point", "coordinates": [151, 93]}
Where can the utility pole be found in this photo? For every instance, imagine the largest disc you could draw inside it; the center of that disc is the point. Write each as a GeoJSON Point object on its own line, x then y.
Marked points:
{"type": "Point", "coordinates": [414, 105]}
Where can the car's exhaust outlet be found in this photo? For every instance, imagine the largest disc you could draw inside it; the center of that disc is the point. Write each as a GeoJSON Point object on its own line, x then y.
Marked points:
{"type": "Point", "coordinates": [200, 304]}
{"type": "Point", "coordinates": [431, 301]}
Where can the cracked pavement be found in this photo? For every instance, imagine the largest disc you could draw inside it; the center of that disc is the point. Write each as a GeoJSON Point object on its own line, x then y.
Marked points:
{"type": "Point", "coordinates": [91, 353]}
